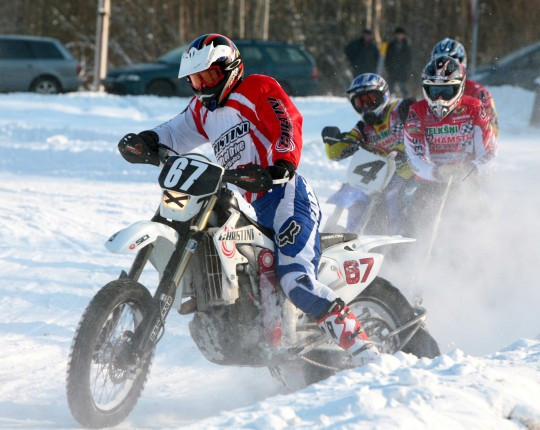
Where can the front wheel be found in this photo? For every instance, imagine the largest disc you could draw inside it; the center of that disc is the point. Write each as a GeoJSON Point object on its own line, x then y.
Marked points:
{"type": "Point", "coordinates": [103, 383]}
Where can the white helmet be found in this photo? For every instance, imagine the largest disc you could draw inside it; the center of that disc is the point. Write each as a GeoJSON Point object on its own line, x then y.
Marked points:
{"type": "Point", "coordinates": [443, 84]}
{"type": "Point", "coordinates": [213, 67]}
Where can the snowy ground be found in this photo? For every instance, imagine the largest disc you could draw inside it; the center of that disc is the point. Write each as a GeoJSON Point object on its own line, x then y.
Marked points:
{"type": "Point", "coordinates": [64, 190]}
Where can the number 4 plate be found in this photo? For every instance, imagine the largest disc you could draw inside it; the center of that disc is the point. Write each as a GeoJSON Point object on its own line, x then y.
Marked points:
{"type": "Point", "coordinates": [370, 172]}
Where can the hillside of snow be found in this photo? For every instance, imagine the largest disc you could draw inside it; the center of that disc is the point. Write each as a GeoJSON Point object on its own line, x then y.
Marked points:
{"type": "Point", "coordinates": [64, 189]}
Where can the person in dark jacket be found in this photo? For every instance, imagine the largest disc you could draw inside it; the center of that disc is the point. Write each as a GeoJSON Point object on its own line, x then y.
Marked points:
{"type": "Point", "coordinates": [398, 63]}
{"type": "Point", "coordinates": [363, 54]}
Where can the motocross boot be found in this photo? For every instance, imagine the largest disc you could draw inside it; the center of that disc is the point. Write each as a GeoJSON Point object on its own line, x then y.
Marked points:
{"type": "Point", "coordinates": [342, 326]}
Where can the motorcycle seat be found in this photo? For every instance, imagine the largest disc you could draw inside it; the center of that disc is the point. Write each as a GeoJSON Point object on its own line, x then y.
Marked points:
{"type": "Point", "coordinates": [331, 239]}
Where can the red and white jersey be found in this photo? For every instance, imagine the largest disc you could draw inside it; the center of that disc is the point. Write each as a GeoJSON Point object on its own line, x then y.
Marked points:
{"type": "Point", "coordinates": [258, 124]}
{"type": "Point", "coordinates": [478, 91]}
{"type": "Point", "coordinates": [464, 135]}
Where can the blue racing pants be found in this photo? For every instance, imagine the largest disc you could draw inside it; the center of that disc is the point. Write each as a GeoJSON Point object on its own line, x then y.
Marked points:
{"type": "Point", "coordinates": [292, 211]}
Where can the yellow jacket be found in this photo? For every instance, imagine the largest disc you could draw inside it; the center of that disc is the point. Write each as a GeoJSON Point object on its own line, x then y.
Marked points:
{"type": "Point", "coordinates": [381, 138]}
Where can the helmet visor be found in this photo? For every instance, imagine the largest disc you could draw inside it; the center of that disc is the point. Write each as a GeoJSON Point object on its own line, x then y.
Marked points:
{"type": "Point", "coordinates": [206, 79]}
{"type": "Point", "coordinates": [446, 92]}
{"type": "Point", "coordinates": [367, 101]}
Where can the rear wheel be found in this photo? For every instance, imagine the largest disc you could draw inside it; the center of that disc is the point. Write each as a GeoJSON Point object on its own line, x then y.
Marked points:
{"type": "Point", "coordinates": [381, 308]}
{"type": "Point", "coordinates": [46, 85]}
{"type": "Point", "coordinates": [102, 383]}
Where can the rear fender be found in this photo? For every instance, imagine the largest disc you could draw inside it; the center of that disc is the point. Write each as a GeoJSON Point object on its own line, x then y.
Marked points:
{"type": "Point", "coordinates": [367, 243]}
{"type": "Point", "coordinates": [349, 267]}
{"type": "Point", "coordinates": [138, 235]}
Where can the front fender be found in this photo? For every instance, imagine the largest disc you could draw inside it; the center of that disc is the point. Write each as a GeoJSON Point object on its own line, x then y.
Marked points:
{"type": "Point", "coordinates": [130, 239]}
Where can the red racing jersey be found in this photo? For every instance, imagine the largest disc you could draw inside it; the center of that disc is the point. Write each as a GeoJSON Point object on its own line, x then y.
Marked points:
{"type": "Point", "coordinates": [463, 135]}
{"type": "Point", "coordinates": [474, 89]}
{"type": "Point", "coordinates": [258, 124]}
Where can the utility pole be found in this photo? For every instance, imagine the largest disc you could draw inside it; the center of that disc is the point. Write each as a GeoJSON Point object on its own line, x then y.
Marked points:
{"type": "Point", "coordinates": [474, 13]}
{"type": "Point", "coordinates": [102, 43]}
{"type": "Point", "coordinates": [266, 20]}
{"type": "Point", "coordinates": [242, 18]}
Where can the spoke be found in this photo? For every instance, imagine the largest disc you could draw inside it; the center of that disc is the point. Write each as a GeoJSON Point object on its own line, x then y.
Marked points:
{"type": "Point", "coordinates": [109, 382]}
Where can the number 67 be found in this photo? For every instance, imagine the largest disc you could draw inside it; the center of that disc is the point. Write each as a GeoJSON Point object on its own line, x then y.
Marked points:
{"type": "Point", "coordinates": [352, 270]}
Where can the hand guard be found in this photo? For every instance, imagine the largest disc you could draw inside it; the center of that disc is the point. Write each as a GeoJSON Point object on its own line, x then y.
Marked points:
{"type": "Point", "coordinates": [257, 179]}
{"type": "Point", "coordinates": [142, 148]}
{"type": "Point", "coordinates": [331, 135]}
{"type": "Point", "coordinates": [252, 178]}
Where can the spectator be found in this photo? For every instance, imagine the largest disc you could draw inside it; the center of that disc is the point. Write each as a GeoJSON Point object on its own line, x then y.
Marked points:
{"type": "Point", "coordinates": [398, 63]}
{"type": "Point", "coordinates": [363, 54]}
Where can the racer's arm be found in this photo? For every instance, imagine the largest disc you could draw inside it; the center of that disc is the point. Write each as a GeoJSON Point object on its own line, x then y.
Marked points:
{"type": "Point", "coordinates": [480, 92]}
{"type": "Point", "coordinates": [181, 134]}
{"type": "Point", "coordinates": [276, 124]}
{"type": "Point", "coordinates": [491, 111]}
{"type": "Point", "coordinates": [485, 144]}
{"type": "Point", "coordinates": [185, 131]}
{"type": "Point", "coordinates": [416, 146]}
{"type": "Point", "coordinates": [342, 145]}
{"type": "Point", "coordinates": [282, 125]}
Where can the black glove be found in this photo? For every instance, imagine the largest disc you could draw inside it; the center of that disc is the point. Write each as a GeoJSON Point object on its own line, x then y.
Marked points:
{"type": "Point", "coordinates": [331, 135]}
{"type": "Point", "coordinates": [282, 169]}
{"type": "Point", "coordinates": [403, 108]}
{"type": "Point", "coordinates": [142, 148]}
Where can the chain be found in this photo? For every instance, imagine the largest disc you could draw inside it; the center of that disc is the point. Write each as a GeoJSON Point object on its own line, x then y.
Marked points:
{"type": "Point", "coordinates": [324, 366]}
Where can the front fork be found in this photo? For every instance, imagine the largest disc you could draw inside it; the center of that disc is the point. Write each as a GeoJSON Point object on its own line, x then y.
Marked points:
{"type": "Point", "coordinates": [149, 332]}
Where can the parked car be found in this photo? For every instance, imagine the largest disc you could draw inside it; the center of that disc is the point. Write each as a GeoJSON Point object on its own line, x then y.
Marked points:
{"type": "Point", "coordinates": [519, 68]}
{"type": "Point", "coordinates": [38, 64]}
{"type": "Point", "coordinates": [291, 65]}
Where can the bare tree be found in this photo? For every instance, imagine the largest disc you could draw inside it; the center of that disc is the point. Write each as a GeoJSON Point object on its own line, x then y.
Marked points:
{"type": "Point", "coordinates": [142, 30]}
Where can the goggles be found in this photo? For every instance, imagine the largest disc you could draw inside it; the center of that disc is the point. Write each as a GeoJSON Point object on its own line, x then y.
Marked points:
{"type": "Point", "coordinates": [367, 101]}
{"type": "Point", "coordinates": [446, 92]}
{"type": "Point", "coordinates": [206, 79]}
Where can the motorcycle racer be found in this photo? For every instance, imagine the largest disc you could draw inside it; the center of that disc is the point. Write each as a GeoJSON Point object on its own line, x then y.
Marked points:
{"type": "Point", "coordinates": [448, 133]}
{"type": "Point", "coordinates": [456, 50]}
{"type": "Point", "coordinates": [253, 125]}
{"type": "Point", "coordinates": [380, 131]}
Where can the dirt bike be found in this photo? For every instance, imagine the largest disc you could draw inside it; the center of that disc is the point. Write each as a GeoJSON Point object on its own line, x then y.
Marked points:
{"type": "Point", "coordinates": [204, 244]}
{"type": "Point", "coordinates": [370, 174]}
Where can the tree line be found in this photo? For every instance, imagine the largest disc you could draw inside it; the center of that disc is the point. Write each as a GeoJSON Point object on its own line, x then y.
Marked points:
{"type": "Point", "coordinates": [142, 30]}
